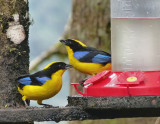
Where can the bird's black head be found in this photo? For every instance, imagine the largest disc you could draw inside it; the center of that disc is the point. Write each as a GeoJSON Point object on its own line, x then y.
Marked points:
{"type": "Point", "coordinates": [73, 44]}
{"type": "Point", "coordinates": [52, 68]}
{"type": "Point", "coordinates": [56, 66]}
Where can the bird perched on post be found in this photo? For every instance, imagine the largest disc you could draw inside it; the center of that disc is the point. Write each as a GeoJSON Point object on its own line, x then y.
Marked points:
{"type": "Point", "coordinates": [43, 84]}
{"type": "Point", "coordinates": [87, 60]}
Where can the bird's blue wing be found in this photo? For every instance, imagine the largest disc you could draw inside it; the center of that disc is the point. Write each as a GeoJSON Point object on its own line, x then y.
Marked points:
{"type": "Point", "coordinates": [92, 56]}
{"type": "Point", "coordinates": [25, 80]}
{"type": "Point", "coordinates": [42, 79]}
{"type": "Point", "coordinates": [99, 58]}
{"type": "Point", "coordinates": [80, 54]}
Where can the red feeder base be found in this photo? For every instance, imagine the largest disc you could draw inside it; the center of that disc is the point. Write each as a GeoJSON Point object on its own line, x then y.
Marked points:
{"type": "Point", "coordinates": [130, 83]}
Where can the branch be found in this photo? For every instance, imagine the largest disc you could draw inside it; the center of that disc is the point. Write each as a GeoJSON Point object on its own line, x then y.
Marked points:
{"type": "Point", "coordinates": [56, 49]}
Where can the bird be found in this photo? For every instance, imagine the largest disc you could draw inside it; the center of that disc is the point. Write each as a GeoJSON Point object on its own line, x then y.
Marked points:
{"type": "Point", "coordinates": [85, 59]}
{"type": "Point", "coordinates": [43, 84]}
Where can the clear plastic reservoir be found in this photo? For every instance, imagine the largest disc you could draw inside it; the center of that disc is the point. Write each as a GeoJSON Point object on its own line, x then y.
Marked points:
{"type": "Point", "coordinates": [135, 35]}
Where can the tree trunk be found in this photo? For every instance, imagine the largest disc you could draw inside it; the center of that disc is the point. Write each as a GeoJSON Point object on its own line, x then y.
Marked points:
{"type": "Point", "coordinates": [90, 23]}
{"type": "Point", "coordinates": [14, 49]}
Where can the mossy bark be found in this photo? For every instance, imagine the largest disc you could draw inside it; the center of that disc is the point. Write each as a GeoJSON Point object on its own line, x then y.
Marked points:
{"type": "Point", "coordinates": [14, 58]}
{"type": "Point", "coordinates": [90, 23]}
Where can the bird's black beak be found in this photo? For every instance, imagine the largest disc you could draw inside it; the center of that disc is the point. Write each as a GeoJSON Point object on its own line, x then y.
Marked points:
{"type": "Point", "coordinates": [67, 66]}
{"type": "Point", "coordinates": [63, 41]}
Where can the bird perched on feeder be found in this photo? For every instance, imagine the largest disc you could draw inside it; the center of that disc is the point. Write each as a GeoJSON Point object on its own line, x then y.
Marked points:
{"type": "Point", "coordinates": [43, 84]}
{"type": "Point", "coordinates": [87, 60]}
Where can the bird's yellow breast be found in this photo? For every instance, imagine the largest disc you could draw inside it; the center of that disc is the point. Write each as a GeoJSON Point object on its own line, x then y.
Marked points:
{"type": "Point", "coordinates": [87, 68]}
{"type": "Point", "coordinates": [46, 91]}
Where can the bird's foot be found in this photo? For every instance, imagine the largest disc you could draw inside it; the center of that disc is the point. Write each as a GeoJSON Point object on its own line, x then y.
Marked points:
{"type": "Point", "coordinates": [82, 82]}
{"type": "Point", "coordinates": [27, 105]}
{"type": "Point", "coordinates": [30, 107]}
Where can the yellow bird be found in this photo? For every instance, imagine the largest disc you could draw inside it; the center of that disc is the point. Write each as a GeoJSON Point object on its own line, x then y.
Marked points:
{"type": "Point", "coordinates": [43, 84]}
{"type": "Point", "coordinates": [87, 60]}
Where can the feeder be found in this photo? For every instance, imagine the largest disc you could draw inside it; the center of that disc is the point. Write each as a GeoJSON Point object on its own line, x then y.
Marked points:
{"type": "Point", "coordinates": [135, 26]}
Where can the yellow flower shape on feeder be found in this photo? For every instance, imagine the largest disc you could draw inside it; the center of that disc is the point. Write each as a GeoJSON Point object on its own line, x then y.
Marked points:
{"type": "Point", "coordinates": [131, 79]}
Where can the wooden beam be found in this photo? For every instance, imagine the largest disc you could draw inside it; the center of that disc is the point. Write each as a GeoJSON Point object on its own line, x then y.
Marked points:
{"type": "Point", "coordinates": [93, 108]}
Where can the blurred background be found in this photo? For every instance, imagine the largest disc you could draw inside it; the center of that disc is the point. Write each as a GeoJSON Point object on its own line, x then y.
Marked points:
{"type": "Point", "coordinates": [49, 18]}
